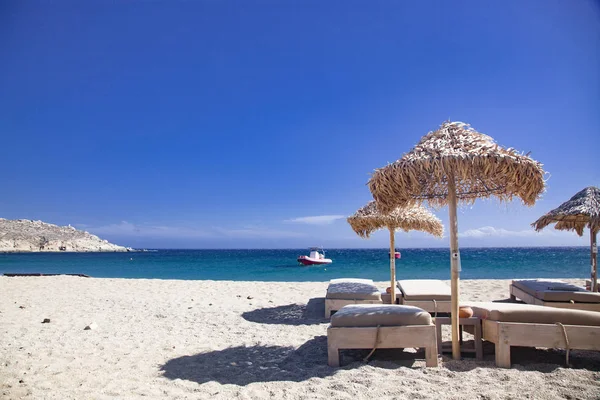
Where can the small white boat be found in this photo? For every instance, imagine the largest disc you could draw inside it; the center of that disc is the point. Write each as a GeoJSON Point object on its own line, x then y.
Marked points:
{"type": "Point", "coordinates": [396, 254]}
{"type": "Point", "coordinates": [316, 257]}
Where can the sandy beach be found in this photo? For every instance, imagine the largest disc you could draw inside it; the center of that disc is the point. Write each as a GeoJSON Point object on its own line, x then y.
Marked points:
{"type": "Point", "coordinates": [219, 339]}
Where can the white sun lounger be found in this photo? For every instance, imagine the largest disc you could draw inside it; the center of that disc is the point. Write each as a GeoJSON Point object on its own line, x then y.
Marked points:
{"type": "Point", "coordinates": [381, 326]}
{"type": "Point", "coordinates": [512, 324]}
{"type": "Point", "coordinates": [554, 293]}
{"type": "Point", "coordinates": [345, 291]}
{"type": "Point", "coordinates": [432, 295]}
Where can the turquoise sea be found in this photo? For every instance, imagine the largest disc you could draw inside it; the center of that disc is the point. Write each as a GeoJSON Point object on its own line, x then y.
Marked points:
{"type": "Point", "coordinates": [281, 265]}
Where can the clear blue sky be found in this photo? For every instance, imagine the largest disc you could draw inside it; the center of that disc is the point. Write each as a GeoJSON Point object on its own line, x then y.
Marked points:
{"type": "Point", "coordinates": [216, 124]}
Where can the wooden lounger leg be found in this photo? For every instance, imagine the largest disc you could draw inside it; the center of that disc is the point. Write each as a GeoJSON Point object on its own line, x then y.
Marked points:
{"type": "Point", "coordinates": [431, 350]}
{"type": "Point", "coordinates": [512, 296]}
{"type": "Point", "coordinates": [431, 356]}
{"type": "Point", "coordinates": [478, 341]}
{"type": "Point", "coordinates": [438, 328]}
{"type": "Point", "coordinates": [333, 356]}
{"type": "Point", "coordinates": [327, 310]}
{"type": "Point", "coordinates": [502, 354]}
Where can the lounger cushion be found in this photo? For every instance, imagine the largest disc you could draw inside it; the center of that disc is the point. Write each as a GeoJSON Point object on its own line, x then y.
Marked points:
{"type": "Point", "coordinates": [556, 290]}
{"type": "Point", "coordinates": [358, 280]}
{"type": "Point", "coordinates": [353, 289]}
{"type": "Point", "coordinates": [528, 313]}
{"type": "Point", "coordinates": [369, 315]}
{"type": "Point", "coordinates": [424, 289]}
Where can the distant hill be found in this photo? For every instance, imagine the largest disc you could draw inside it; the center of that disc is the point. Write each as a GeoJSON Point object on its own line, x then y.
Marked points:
{"type": "Point", "coordinates": [24, 235]}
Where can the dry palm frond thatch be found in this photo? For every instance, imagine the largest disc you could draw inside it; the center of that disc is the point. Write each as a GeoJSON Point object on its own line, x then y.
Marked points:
{"type": "Point", "coordinates": [581, 211]}
{"type": "Point", "coordinates": [479, 166]}
{"type": "Point", "coordinates": [368, 219]}
{"type": "Point", "coordinates": [455, 164]}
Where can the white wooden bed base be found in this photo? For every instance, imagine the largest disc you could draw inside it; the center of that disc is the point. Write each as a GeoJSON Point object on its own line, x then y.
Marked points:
{"type": "Point", "coordinates": [439, 306]}
{"type": "Point", "coordinates": [515, 293]}
{"type": "Point", "coordinates": [507, 334]}
{"type": "Point", "coordinates": [390, 337]}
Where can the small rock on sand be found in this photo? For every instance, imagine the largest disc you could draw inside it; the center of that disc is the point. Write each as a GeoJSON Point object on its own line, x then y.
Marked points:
{"type": "Point", "coordinates": [46, 321]}
{"type": "Point", "coordinates": [90, 327]}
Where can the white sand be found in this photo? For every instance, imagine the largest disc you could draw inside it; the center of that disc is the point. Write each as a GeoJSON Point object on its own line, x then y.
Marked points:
{"type": "Point", "coordinates": [205, 339]}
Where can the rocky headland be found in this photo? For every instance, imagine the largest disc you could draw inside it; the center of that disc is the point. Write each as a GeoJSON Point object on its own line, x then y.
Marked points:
{"type": "Point", "coordinates": [24, 235]}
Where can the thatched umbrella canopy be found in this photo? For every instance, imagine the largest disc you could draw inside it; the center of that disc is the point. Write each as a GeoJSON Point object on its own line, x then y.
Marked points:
{"type": "Point", "coordinates": [456, 164]}
{"type": "Point", "coordinates": [581, 211]}
{"type": "Point", "coordinates": [369, 219]}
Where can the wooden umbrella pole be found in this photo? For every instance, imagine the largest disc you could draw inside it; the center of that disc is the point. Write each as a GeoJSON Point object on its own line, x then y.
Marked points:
{"type": "Point", "coordinates": [392, 268]}
{"type": "Point", "coordinates": [455, 266]}
{"type": "Point", "coordinates": [594, 261]}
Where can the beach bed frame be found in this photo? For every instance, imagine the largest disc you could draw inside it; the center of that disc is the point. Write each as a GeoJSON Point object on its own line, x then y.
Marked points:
{"type": "Point", "coordinates": [507, 334]}
{"type": "Point", "coordinates": [532, 295]}
{"type": "Point", "coordinates": [348, 291]}
{"type": "Point", "coordinates": [513, 324]}
{"type": "Point", "coordinates": [390, 337]}
{"type": "Point", "coordinates": [431, 295]}
{"type": "Point", "coordinates": [381, 337]}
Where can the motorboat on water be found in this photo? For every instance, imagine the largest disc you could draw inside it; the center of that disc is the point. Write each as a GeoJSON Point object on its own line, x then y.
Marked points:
{"type": "Point", "coordinates": [396, 254]}
{"type": "Point", "coordinates": [316, 257]}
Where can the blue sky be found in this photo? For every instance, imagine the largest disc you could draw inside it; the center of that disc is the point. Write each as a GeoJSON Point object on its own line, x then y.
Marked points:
{"type": "Point", "coordinates": [219, 124]}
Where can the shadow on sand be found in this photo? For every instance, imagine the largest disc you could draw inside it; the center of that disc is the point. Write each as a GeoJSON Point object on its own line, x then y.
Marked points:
{"type": "Point", "coordinates": [527, 359]}
{"type": "Point", "coordinates": [291, 314]}
{"type": "Point", "coordinates": [244, 365]}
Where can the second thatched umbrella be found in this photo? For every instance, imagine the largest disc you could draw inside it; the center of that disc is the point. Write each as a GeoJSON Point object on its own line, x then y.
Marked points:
{"type": "Point", "coordinates": [368, 219]}
{"type": "Point", "coordinates": [456, 164]}
{"type": "Point", "coordinates": [581, 211]}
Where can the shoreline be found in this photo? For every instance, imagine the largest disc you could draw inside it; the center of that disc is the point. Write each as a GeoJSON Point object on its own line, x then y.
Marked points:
{"type": "Point", "coordinates": [159, 338]}
{"type": "Point", "coordinates": [574, 280]}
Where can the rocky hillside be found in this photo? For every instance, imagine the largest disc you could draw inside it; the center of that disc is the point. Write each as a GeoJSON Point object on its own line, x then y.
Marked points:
{"type": "Point", "coordinates": [24, 235]}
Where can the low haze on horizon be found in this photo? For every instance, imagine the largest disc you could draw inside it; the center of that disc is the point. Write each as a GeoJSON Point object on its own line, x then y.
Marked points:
{"type": "Point", "coordinates": [256, 125]}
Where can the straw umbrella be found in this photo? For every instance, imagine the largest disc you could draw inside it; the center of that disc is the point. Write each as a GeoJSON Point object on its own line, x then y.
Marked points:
{"type": "Point", "coordinates": [456, 164]}
{"type": "Point", "coordinates": [580, 211]}
{"type": "Point", "coordinates": [368, 219]}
